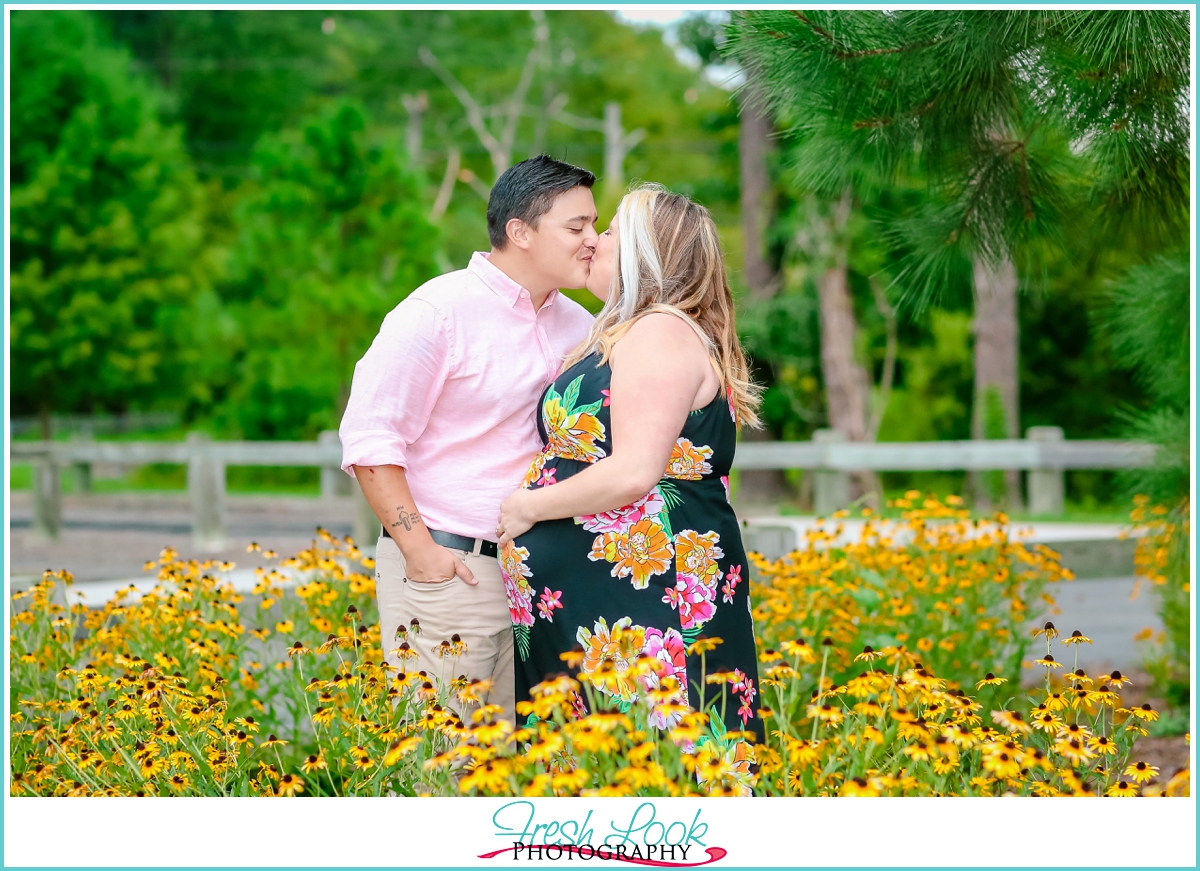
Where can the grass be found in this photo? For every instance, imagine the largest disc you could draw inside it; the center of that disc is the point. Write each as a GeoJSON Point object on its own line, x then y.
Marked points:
{"type": "Point", "coordinates": [172, 478]}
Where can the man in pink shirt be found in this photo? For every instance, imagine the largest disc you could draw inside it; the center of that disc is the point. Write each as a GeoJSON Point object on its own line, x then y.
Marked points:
{"type": "Point", "coordinates": [441, 423]}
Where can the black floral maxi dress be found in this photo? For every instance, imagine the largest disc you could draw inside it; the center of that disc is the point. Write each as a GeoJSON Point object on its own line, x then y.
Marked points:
{"type": "Point", "coordinates": [649, 578]}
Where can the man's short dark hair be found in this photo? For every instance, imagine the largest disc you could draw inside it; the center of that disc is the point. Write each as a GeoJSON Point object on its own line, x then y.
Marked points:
{"type": "Point", "coordinates": [528, 190]}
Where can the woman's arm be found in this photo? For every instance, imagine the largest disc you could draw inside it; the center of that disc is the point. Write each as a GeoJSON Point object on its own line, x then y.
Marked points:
{"type": "Point", "coordinates": [658, 370]}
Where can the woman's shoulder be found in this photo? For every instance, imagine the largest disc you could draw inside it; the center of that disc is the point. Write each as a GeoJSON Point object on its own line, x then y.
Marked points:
{"type": "Point", "coordinates": [665, 329]}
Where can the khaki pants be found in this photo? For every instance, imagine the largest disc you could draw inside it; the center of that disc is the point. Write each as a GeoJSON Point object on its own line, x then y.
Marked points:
{"type": "Point", "coordinates": [479, 614]}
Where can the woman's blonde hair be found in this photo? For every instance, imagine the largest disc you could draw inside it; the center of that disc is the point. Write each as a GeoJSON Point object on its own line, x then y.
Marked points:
{"type": "Point", "coordinates": [668, 258]}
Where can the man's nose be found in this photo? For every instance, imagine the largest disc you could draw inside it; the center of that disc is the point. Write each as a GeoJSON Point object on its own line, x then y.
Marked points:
{"type": "Point", "coordinates": [590, 237]}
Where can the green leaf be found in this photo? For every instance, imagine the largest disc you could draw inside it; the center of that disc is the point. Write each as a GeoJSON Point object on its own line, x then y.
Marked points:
{"type": "Point", "coordinates": [716, 724]}
{"type": "Point", "coordinates": [571, 395]}
{"type": "Point", "coordinates": [670, 493]}
{"type": "Point", "coordinates": [521, 633]}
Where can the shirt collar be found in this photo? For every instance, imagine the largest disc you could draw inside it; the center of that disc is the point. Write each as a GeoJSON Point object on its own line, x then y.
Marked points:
{"type": "Point", "coordinates": [498, 282]}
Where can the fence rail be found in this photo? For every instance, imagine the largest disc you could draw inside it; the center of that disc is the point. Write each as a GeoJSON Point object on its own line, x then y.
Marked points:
{"type": "Point", "coordinates": [1044, 454]}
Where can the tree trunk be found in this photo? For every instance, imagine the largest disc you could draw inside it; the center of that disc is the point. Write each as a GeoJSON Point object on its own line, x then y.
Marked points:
{"type": "Point", "coordinates": [753, 144]}
{"type": "Point", "coordinates": [44, 423]}
{"type": "Point", "coordinates": [415, 106]}
{"type": "Point", "coordinates": [757, 486]}
{"type": "Point", "coordinates": [996, 412]}
{"type": "Point", "coordinates": [847, 385]}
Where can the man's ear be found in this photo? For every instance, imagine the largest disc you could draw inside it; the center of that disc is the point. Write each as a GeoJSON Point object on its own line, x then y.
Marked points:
{"type": "Point", "coordinates": [518, 233]}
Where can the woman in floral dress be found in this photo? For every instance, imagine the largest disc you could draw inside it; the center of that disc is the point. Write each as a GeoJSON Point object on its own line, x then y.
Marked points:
{"type": "Point", "coordinates": [622, 542]}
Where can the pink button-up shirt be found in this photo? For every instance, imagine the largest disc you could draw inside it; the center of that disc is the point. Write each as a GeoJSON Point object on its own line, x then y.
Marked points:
{"type": "Point", "coordinates": [449, 390]}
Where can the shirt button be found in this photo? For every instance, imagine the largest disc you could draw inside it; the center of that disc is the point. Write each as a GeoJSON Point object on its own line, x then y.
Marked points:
{"type": "Point", "coordinates": [524, 294]}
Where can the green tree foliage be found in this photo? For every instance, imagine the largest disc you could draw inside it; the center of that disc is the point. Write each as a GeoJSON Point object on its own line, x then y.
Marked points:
{"type": "Point", "coordinates": [232, 74]}
{"type": "Point", "coordinates": [1151, 336]}
{"type": "Point", "coordinates": [1017, 118]}
{"type": "Point", "coordinates": [108, 256]}
{"type": "Point", "coordinates": [331, 237]}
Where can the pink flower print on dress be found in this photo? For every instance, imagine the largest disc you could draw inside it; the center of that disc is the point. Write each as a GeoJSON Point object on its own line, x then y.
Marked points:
{"type": "Point", "coordinates": [516, 588]}
{"type": "Point", "coordinates": [725, 484]}
{"type": "Point", "coordinates": [548, 602]}
{"type": "Point", "coordinates": [621, 519]}
{"type": "Point", "coordinates": [732, 407]}
{"type": "Point", "coordinates": [607, 399]}
{"type": "Point", "coordinates": [731, 583]}
{"type": "Point", "coordinates": [748, 694]}
{"type": "Point", "coordinates": [669, 656]}
{"type": "Point", "coordinates": [693, 599]}
{"type": "Point", "coordinates": [547, 477]}
{"type": "Point", "coordinates": [519, 601]}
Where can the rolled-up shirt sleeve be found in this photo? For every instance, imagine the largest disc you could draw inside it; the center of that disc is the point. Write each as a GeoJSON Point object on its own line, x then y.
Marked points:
{"type": "Point", "coordinates": [395, 386]}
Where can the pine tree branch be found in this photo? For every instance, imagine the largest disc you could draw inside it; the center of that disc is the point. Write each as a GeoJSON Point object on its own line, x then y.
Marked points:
{"type": "Point", "coordinates": [845, 54]}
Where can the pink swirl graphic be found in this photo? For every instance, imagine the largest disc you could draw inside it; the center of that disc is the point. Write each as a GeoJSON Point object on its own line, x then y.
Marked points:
{"type": "Point", "coordinates": [715, 854]}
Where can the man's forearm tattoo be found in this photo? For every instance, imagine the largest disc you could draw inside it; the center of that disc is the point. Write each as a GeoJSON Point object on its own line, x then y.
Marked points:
{"type": "Point", "coordinates": [407, 519]}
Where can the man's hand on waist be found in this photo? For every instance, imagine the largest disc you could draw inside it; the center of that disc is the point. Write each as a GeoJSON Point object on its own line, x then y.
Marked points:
{"type": "Point", "coordinates": [429, 563]}
{"type": "Point", "coordinates": [426, 562]}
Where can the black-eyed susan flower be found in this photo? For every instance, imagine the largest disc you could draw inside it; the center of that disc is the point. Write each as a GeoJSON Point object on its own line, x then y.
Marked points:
{"type": "Point", "coordinates": [1048, 662]}
{"type": "Point", "coordinates": [1144, 712]}
{"type": "Point", "coordinates": [869, 654]}
{"type": "Point", "coordinates": [1077, 637]}
{"type": "Point", "coordinates": [1141, 771]}
{"type": "Point", "coordinates": [290, 784]}
{"type": "Point", "coordinates": [1122, 789]}
{"type": "Point", "coordinates": [859, 787]}
{"type": "Point", "coordinates": [1048, 630]}
{"type": "Point", "coordinates": [1002, 764]}
{"type": "Point", "coordinates": [800, 649]}
{"type": "Point", "coordinates": [1010, 720]}
{"type": "Point", "coordinates": [990, 680]}
{"type": "Point", "coordinates": [1073, 750]}
{"type": "Point", "coordinates": [1132, 725]}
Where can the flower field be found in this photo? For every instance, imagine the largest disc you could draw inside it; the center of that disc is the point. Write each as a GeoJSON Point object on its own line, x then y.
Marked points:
{"type": "Point", "coordinates": [890, 666]}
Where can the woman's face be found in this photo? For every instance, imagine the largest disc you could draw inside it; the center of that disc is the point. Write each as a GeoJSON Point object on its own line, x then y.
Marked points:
{"type": "Point", "coordinates": [599, 279]}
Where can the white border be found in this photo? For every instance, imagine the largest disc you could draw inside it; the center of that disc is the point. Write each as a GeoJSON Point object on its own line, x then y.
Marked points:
{"type": "Point", "coordinates": [911, 832]}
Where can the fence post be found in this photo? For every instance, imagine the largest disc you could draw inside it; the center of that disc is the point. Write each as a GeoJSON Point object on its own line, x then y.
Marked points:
{"type": "Point", "coordinates": [831, 489]}
{"type": "Point", "coordinates": [82, 470]}
{"type": "Point", "coordinates": [1046, 488]}
{"type": "Point", "coordinates": [206, 486]}
{"type": "Point", "coordinates": [334, 482]}
{"type": "Point", "coordinates": [47, 496]}
{"type": "Point", "coordinates": [366, 524]}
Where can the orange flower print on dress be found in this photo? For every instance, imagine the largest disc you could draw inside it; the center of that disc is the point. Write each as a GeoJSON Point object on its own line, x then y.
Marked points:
{"type": "Point", "coordinates": [639, 554]}
{"type": "Point", "coordinates": [696, 555]}
{"type": "Point", "coordinates": [572, 432]}
{"type": "Point", "coordinates": [609, 656]}
{"type": "Point", "coordinates": [535, 469]}
{"type": "Point", "coordinates": [689, 462]}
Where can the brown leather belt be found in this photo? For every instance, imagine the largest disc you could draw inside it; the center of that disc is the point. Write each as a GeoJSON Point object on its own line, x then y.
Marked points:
{"type": "Point", "coordinates": [481, 546]}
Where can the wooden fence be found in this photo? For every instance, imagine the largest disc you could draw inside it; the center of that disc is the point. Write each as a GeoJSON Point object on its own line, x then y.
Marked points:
{"type": "Point", "coordinates": [1044, 454]}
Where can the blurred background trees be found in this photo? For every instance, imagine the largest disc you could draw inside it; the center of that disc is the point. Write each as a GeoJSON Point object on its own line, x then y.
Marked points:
{"type": "Point", "coordinates": [937, 224]}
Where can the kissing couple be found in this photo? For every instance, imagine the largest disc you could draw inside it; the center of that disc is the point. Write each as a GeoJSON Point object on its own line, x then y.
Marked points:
{"type": "Point", "coordinates": [554, 488]}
